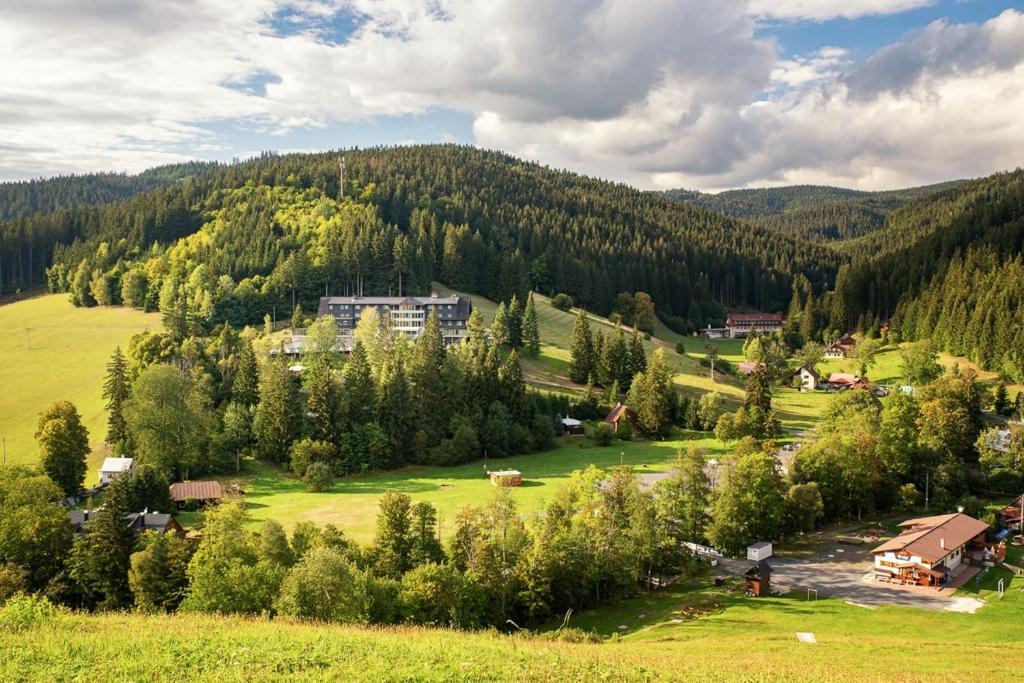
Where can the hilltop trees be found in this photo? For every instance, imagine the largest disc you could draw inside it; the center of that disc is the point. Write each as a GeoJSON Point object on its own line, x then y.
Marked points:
{"type": "Point", "coordinates": [63, 443]}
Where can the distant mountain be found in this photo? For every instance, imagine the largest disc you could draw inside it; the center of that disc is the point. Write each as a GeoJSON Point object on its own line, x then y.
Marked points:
{"type": "Point", "coordinates": [811, 211]}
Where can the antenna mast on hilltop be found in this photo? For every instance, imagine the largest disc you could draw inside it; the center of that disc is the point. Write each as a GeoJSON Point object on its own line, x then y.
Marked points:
{"type": "Point", "coordinates": [341, 177]}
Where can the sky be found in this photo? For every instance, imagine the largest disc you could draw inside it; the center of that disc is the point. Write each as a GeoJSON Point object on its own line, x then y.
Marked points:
{"type": "Point", "coordinates": [871, 94]}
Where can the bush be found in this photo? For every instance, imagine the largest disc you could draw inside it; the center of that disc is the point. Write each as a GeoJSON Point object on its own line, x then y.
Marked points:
{"type": "Point", "coordinates": [603, 434]}
{"type": "Point", "coordinates": [323, 586]}
{"type": "Point", "coordinates": [319, 477]}
{"type": "Point", "coordinates": [441, 595]}
{"type": "Point", "coordinates": [562, 302]}
{"type": "Point", "coordinates": [680, 348]}
{"type": "Point", "coordinates": [571, 634]}
{"type": "Point", "coordinates": [25, 611]}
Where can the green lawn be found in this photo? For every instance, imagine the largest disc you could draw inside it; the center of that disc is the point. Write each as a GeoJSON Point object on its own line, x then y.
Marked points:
{"type": "Point", "coordinates": [67, 360]}
{"type": "Point", "coordinates": [352, 503]}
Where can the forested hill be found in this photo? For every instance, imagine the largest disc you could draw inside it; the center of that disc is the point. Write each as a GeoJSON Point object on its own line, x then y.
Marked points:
{"type": "Point", "coordinates": [811, 211]}
{"type": "Point", "coordinates": [947, 268]}
{"type": "Point", "coordinates": [270, 229]}
{"type": "Point", "coordinates": [24, 198]}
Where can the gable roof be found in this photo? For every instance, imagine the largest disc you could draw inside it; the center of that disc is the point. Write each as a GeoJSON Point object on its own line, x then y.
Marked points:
{"type": "Point", "coordinates": [116, 464]}
{"type": "Point", "coordinates": [195, 490]}
{"type": "Point", "coordinates": [617, 412]}
{"type": "Point", "coordinates": [932, 538]}
{"type": "Point", "coordinates": [843, 378]}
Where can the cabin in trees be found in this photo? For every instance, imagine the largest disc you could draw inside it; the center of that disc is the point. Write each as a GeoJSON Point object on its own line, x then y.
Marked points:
{"type": "Point", "coordinates": [185, 493]}
{"type": "Point", "coordinates": [113, 468]}
{"type": "Point", "coordinates": [747, 368]}
{"type": "Point", "coordinates": [840, 348]}
{"type": "Point", "coordinates": [930, 550]}
{"type": "Point", "coordinates": [408, 314]}
{"type": "Point", "coordinates": [571, 426]}
{"type": "Point", "coordinates": [156, 522]}
{"type": "Point", "coordinates": [506, 478]}
{"type": "Point", "coordinates": [741, 324]}
{"type": "Point", "coordinates": [619, 413]}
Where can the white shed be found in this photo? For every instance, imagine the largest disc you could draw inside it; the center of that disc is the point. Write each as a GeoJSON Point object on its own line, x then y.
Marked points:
{"type": "Point", "coordinates": [761, 550]}
{"type": "Point", "coordinates": [114, 467]}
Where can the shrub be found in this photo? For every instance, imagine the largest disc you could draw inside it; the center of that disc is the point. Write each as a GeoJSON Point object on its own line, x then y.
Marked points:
{"type": "Point", "coordinates": [625, 430]}
{"type": "Point", "coordinates": [680, 348]}
{"type": "Point", "coordinates": [319, 477]}
{"type": "Point", "coordinates": [323, 586]}
{"type": "Point", "coordinates": [25, 611]}
{"type": "Point", "coordinates": [562, 302]}
{"type": "Point", "coordinates": [441, 595]}
{"type": "Point", "coordinates": [603, 434]}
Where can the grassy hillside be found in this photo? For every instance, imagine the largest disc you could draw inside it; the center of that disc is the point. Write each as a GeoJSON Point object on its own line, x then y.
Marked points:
{"type": "Point", "coordinates": [692, 631]}
{"type": "Point", "coordinates": [51, 351]}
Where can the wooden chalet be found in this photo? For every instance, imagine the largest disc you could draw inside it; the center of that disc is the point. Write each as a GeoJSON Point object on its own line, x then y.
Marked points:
{"type": "Point", "coordinates": [931, 550]}
{"type": "Point", "coordinates": [840, 348]}
{"type": "Point", "coordinates": [199, 492]}
{"type": "Point", "coordinates": [571, 426]}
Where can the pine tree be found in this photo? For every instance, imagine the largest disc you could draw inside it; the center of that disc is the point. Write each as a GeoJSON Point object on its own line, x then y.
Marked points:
{"type": "Point", "coordinates": [531, 330]}
{"type": "Point", "coordinates": [581, 350]}
{"type": "Point", "coordinates": [637, 357]}
{"type": "Point", "coordinates": [427, 372]}
{"type": "Point", "coordinates": [245, 389]}
{"type": "Point", "coordinates": [392, 544]}
{"type": "Point", "coordinates": [424, 544]}
{"type": "Point", "coordinates": [515, 323]}
{"type": "Point", "coordinates": [808, 320]}
{"type": "Point", "coordinates": [277, 420]}
{"type": "Point", "coordinates": [758, 393]}
{"type": "Point", "coordinates": [617, 360]}
{"type": "Point", "coordinates": [513, 390]}
{"type": "Point", "coordinates": [322, 402]}
{"type": "Point", "coordinates": [100, 560]}
{"type": "Point", "coordinates": [500, 332]}
{"type": "Point", "coordinates": [475, 326]}
{"type": "Point", "coordinates": [395, 411]}
{"type": "Point", "coordinates": [360, 393]}
{"type": "Point", "coordinates": [116, 390]}
{"type": "Point", "coordinates": [1001, 401]}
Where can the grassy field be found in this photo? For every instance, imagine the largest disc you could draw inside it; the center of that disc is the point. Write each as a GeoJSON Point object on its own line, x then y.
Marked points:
{"type": "Point", "coordinates": [352, 503]}
{"type": "Point", "coordinates": [692, 631]}
{"type": "Point", "coordinates": [52, 351]}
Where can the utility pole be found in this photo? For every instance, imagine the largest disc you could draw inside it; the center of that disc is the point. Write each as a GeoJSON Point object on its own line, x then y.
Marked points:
{"type": "Point", "coordinates": [926, 476]}
{"type": "Point", "coordinates": [28, 337]}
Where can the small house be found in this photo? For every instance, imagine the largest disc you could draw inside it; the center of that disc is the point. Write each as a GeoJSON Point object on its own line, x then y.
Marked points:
{"type": "Point", "coordinates": [506, 478]}
{"type": "Point", "coordinates": [200, 492]}
{"type": "Point", "coordinates": [157, 522]}
{"type": "Point", "coordinates": [113, 468]}
{"type": "Point", "coordinates": [844, 380]}
{"type": "Point", "coordinates": [571, 426]}
{"type": "Point", "coordinates": [618, 413]}
{"type": "Point", "coordinates": [805, 378]}
{"type": "Point", "coordinates": [759, 579]}
{"type": "Point", "coordinates": [761, 550]}
{"type": "Point", "coordinates": [840, 348]}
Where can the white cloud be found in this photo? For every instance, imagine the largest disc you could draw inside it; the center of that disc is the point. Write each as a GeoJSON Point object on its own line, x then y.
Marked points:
{"type": "Point", "coordinates": [661, 93]}
{"type": "Point", "coordinates": [823, 10]}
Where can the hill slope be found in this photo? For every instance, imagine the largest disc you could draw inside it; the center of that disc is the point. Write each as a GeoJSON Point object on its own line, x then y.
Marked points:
{"type": "Point", "coordinates": [54, 351]}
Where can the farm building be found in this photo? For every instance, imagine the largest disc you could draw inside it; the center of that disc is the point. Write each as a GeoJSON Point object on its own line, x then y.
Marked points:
{"type": "Point", "coordinates": [113, 468]}
{"type": "Point", "coordinates": [931, 550]}
{"type": "Point", "coordinates": [618, 413]}
{"type": "Point", "coordinates": [571, 426]}
{"type": "Point", "coordinates": [506, 478]}
{"type": "Point", "coordinates": [200, 492]}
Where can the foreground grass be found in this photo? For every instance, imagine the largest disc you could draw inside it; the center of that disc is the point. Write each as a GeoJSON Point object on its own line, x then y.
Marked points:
{"type": "Point", "coordinates": [67, 359]}
{"type": "Point", "coordinates": [352, 503]}
{"type": "Point", "coordinates": [689, 632]}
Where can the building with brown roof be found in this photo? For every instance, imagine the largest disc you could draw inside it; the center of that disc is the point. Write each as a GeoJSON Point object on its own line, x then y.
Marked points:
{"type": "Point", "coordinates": [200, 492]}
{"type": "Point", "coordinates": [618, 413]}
{"type": "Point", "coordinates": [840, 348]}
{"type": "Point", "coordinates": [742, 324]}
{"type": "Point", "coordinates": [929, 549]}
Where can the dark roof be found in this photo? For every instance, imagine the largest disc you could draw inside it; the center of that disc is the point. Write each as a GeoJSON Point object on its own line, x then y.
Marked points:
{"type": "Point", "coordinates": [196, 490]}
{"type": "Point", "coordinates": [463, 306]}
{"type": "Point", "coordinates": [78, 518]}
{"type": "Point", "coordinates": [753, 317]}
{"type": "Point", "coordinates": [149, 521]}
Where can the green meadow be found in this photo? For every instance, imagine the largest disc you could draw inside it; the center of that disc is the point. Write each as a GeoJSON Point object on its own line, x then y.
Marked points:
{"type": "Point", "coordinates": [54, 351]}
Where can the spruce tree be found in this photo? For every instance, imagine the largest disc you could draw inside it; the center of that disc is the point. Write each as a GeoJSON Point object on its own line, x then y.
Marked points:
{"type": "Point", "coordinates": [245, 388]}
{"type": "Point", "coordinates": [515, 323]}
{"type": "Point", "coordinates": [637, 357]}
{"type": "Point", "coordinates": [500, 331]}
{"type": "Point", "coordinates": [116, 390]}
{"type": "Point", "coordinates": [101, 558]}
{"type": "Point", "coordinates": [808, 320]}
{"type": "Point", "coordinates": [531, 330]}
{"type": "Point", "coordinates": [513, 390]}
{"type": "Point", "coordinates": [427, 372]}
{"type": "Point", "coordinates": [1001, 402]}
{"type": "Point", "coordinates": [581, 350]}
{"type": "Point", "coordinates": [277, 419]}
{"type": "Point", "coordinates": [393, 542]}
{"type": "Point", "coordinates": [758, 393]}
{"type": "Point", "coordinates": [322, 402]}
{"type": "Point", "coordinates": [395, 411]}
{"type": "Point", "coordinates": [475, 326]}
{"type": "Point", "coordinates": [360, 392]}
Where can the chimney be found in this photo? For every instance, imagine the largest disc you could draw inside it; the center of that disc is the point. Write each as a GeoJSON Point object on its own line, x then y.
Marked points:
{"type": "Point", "coordinates": [942, 543]}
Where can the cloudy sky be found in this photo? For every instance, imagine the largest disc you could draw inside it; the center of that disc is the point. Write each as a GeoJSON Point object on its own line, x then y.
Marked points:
{"type": "Point", "coordinates": [656, 93]}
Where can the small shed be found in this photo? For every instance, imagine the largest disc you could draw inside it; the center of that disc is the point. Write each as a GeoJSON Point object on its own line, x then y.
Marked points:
{"type": "Point", "coordinates": [506, 478]}
{"type": "Point", "coordinates": [571, 426]}
{"type": "Point", "coordinates": [761, 550]}
{"type": "Point", "coordinates": [759, 579]}
{"type": "Point", "coordinates": [113, 468]}
{"type": "Point", "coordinates": [617, 414]}
{"type": "Point", "coordinates": [202, 492]}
